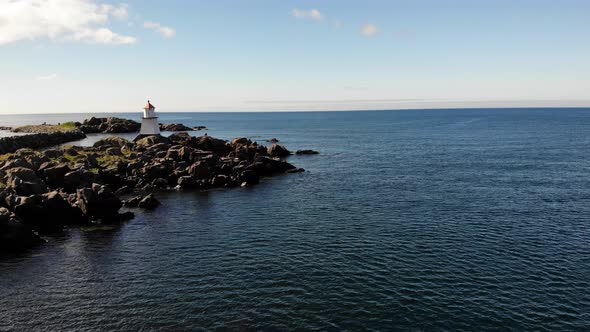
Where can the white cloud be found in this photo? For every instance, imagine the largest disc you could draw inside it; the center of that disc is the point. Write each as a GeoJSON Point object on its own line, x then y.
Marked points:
{"type": "Point", "coordinates": [313, 14]}
{"type": "Point", "coordinates": [120, 12]}
{"type": "Point", "coordinates": [369, 30]}
{"type": "Point", "coordinates": [46, 77]}
{"type": "Point", "coordinates": [166, 32]}
{"type": "Point", "coordinates": [74, 20]}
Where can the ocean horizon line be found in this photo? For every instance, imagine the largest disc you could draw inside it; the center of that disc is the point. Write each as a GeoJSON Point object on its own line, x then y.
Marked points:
{"type": "Point", "coordinates": [321, 111]}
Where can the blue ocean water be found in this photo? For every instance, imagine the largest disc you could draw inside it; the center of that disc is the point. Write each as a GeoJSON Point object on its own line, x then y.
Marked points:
{"type": "Point", "coordinates": [409, 220]}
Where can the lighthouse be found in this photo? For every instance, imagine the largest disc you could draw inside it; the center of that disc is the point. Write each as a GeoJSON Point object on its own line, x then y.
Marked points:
{"type": "Point", "coordinates": [149, 121]}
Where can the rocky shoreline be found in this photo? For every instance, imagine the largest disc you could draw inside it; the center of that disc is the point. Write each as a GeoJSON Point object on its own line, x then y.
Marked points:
{"type": "Point", "coordinates": [109, 125]}
{"type": "Point", "coordinates": [46, 191]}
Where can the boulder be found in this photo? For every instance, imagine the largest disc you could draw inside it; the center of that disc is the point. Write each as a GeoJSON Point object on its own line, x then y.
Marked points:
{"type": "Point", "coordinates": [25, 181]}
{"type": "Point", "coordinates": [241, 141]}
{"type": "Point", "coordinates": [186, 182]}
{"type": "Point", "coordinates": [305, 152]}
{"type": "Point", "coordinates": [199, 170]}
{"type": "Point", "coordinates": [277, 150]}
{"type": "Point", "coordinates": [174, 127]}
{"type": "Point", "coordinates": [149, 202]}
{"type": "Point", "coordinates": [220, 180]}
{"type": "Point", "coordinates": [133, 201]}
{"type": "Point", "coordinates": [180, 138]}
{"type": "Point", "coordinates": [112, 141]}
{"type": "Point", "coordinates": [78, 179]}
{"type": "Point", "coordinates": [99, 203]}
{"type": "Point", "coordinates": [14, 235]}
{"type": "Point", "coordinates": [208, 143]}
{"type": "Point", "coordinates": [153, 140]}
{"type": "Point", "coordinates": [54, 176]}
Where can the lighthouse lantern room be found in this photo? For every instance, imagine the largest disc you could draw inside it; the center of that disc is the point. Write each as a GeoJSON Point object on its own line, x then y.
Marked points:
{"type": "Point", "coordinates": [149, 121]}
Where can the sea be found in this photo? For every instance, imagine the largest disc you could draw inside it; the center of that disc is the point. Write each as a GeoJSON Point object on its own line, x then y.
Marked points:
{"type": "Point", "coordinates": [411, 220]}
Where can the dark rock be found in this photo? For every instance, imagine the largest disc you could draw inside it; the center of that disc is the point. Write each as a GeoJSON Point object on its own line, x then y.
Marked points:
{"type": "Point", "coordinates": [149, 202]}
{"type": "Point", "coordinates": [174, 127]}
{"type": "Point", "coordinates": [220, 181]}
{"type": "Point", "coordinates": [99, 203]}
{"type": "Point", "coordinates": [295, 170]}
{"type": "Point", "coordinates": [14, 235]}
{"type": "Point", "coordinates": [277, 150]}
{"type": "Point", "coordinates": [160, 183]}
{"type": "Point", "coordinates": [272, 140]}
{"type": "Point", "coordinates": [241, 140]}
{"type": "Point", "coordinates": [186, 182]}
{"type": "Point", "coordinates": [124, 190]}
{"type": "Point", "coordinates": [199, 170]}
{"type": "Point", "coordinates": [78, 179]}
{"type": "Point", "coordinates": [54, 176]}
{"type": "Point", "coordinates": [109, 125]}
{"type": "Point", "coordinates": [114, 151]}
{"type": "Point", "coordinates": [25, 181]}
{"type": "Point", "coordinates": [52, 153]}
{"type": "Point", "coordinates": [111, 141]}
{"type": "Point", "coordinates": [152, 140]}
{"type": "Point", "coordinates": [133, 201]}
{"type": "Point", "coordinates": [38, 141]}
{"type": "Point", "coordinates": [208, 143]}
{"type": "Point", "coordinates": [306, 152]}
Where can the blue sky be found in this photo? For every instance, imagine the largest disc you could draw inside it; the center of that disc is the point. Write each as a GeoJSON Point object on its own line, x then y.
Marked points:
{"type": "Point", "coordinates": [104, 56]}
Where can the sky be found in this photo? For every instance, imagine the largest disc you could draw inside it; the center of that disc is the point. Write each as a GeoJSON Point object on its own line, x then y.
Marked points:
{"type": "Point", "coordinates": [64, 56]}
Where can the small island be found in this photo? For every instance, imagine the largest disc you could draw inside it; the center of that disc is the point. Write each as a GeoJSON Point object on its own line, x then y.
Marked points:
{"type": "Point", "coordinates": [43, 190]}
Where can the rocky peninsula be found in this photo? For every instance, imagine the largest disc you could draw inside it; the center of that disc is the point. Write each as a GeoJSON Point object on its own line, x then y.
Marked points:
{"type": "Point", "coordinates": [45, 191]}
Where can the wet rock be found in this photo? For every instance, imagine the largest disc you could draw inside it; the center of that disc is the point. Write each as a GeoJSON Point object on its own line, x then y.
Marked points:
{"type": "Point", "coordinates": [149, 202]}
{"type": "Point", "coordinates": [133, 201]}
{"type": "Point", "coordinates": [295, 170]}
{"type": "Point", "coordinates": [99, 203]}
{"type": "Point", "coordinates": [306, 152]}
{"type": "Point", "coordinates": [272, 140]}
{"type": "Point", "coordinates": [186, 182]}
{"type": "Point", "coordinates": [14, 235]}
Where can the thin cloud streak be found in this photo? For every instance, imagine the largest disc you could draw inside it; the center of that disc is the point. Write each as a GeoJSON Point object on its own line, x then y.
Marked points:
{"type": "Point", "coordinates": [166, 32]}
{"type": "Point", "coordinates": [313, 14]}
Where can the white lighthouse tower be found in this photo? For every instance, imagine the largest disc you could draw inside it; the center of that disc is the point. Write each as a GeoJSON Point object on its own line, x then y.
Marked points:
{"type": "Point", "coordinates": [149, 122]}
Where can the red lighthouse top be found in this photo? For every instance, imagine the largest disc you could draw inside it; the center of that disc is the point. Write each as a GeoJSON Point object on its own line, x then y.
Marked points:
{"type": "Point", "coordinates": [149, 106]}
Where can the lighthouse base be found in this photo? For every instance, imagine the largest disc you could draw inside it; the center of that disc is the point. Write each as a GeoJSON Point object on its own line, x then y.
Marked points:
{"type": "Point", "coordinates": [149, 126]}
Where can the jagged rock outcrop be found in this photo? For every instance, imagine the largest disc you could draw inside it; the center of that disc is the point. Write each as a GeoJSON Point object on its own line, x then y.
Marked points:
{"type": "Point", "coordinates": [78, 185]}
{"type": "Point", "coordinates": [277, 150]}
{"type": "Point", "coordinates": [109, 125]}
{"type": "Point", "coordinates": [174, 127]}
